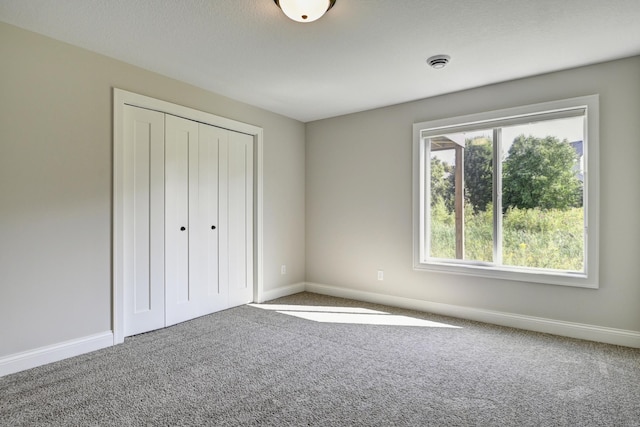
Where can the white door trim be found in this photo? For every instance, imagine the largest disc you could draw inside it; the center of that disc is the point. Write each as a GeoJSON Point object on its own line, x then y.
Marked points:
{"type": "Point", "coordinates": [122, 98]}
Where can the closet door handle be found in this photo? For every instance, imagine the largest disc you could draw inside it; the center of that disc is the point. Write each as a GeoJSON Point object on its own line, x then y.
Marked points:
{"type": "Point", "coordinates": [183, 228]}
{"type": "Point", "coordinates": [213, 227]}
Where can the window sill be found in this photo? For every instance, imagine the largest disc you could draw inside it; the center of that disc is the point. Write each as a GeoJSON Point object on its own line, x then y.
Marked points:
{"type": "Point", "coordinates": [574, 279]}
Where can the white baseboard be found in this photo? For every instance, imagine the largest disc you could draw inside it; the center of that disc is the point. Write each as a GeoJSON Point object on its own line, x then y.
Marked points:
{"type": "Point", "coordinates": [282, 292]}
{"type": "Point", "coordinates": [556, 327]}
{"type": "Point", "coordinates": [40, 356]}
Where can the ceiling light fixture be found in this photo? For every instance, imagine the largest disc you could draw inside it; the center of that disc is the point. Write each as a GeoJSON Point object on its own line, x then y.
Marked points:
{"type": "Point", "coordinates": [438, 61]}
{"type": "Point", "coordinates": [305, 10]}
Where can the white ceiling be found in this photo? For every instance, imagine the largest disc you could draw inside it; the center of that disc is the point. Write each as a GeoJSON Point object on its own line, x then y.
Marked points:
{"type": "Point", "coordinates": [362, 54]}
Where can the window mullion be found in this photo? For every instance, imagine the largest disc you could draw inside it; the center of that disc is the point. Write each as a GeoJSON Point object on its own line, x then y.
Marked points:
{"type": "Point", "coordinates": [497, 196]}
{"type": "Point", "coordinates": [425, 198]}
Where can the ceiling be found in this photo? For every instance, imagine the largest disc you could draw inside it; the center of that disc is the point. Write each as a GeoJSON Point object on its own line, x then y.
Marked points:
{"type": "Point", "coordinates": [361, 55]}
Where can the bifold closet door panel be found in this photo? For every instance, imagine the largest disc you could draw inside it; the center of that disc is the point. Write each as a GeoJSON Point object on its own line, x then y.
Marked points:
{"type": "Point", "coordinates": [181, 176]}
{"type": "Point", "coordinates": [212, 296]}
{"type": "Point", "coordinates": [143, 220]}
{"type": "Point", "coordinates": [240, 218]}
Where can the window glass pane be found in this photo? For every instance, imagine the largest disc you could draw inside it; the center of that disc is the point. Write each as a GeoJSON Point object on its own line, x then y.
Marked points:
{"type": "Point", "coordinates": [542, 194]}
{"type": "Point", "coordinates": [478, 196]}
{"type": "Point", "coordinates": [442, 197]}
{"type": "Point", "coordinates": [461, 205]}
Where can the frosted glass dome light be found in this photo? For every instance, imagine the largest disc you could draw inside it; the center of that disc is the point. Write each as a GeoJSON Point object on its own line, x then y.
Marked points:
{"type": "Point", "coordinates": [305, 10]}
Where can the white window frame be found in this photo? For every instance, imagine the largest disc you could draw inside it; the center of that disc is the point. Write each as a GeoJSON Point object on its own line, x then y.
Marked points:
{"type": "Point", "coordinates": [554, 109]}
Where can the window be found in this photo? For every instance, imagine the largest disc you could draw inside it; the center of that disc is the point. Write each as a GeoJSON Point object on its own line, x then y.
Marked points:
{"type": "Point", "coordinates": [510, 194]}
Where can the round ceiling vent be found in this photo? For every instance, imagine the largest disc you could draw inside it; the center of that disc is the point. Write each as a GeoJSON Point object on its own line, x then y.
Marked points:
{"type": "Point", "coordinates": [438, 61]}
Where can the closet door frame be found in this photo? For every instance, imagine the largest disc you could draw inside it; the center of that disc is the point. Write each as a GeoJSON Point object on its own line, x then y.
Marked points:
{"type": "Point", "coordinates": [122, 98]}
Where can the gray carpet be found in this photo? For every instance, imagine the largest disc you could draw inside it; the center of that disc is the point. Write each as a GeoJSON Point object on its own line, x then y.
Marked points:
{"type": "Point", "coordinates": [253, 367]}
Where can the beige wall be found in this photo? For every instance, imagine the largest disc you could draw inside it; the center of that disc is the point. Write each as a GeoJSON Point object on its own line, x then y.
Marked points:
{"type": "Point", "coordinates": [354, 209]}
{"type": "Point", "coordinates": [55, 185]}
{"type": "Point", "coordinates": [359, 207]}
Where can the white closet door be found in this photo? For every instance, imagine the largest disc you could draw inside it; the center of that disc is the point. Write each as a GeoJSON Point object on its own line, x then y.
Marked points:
{"type": "Point", "coordinates": [188, 226]}
{"type": "Point", "coordinates": [239, 208]}
{"type": "Point", "coordinates": [143, 220]}
{"type": "Point", "coordinates": [213, 297]}
{"type": "Point", "coordinates": [181, 191]}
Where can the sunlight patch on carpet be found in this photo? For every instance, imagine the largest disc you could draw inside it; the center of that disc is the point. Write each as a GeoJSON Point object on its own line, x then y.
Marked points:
{"type": "Point", "coordinates": [352, 315]}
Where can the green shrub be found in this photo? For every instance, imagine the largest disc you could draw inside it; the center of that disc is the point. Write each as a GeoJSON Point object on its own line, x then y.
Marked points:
{"type": "Point", "coordinates": [536, 238]}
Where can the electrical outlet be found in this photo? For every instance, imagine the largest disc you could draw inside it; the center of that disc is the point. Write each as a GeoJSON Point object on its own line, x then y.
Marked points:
{"type": "Point", "coordinates": [380, 275]}
{"type": "Point", "coordinates": [283, 269]}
